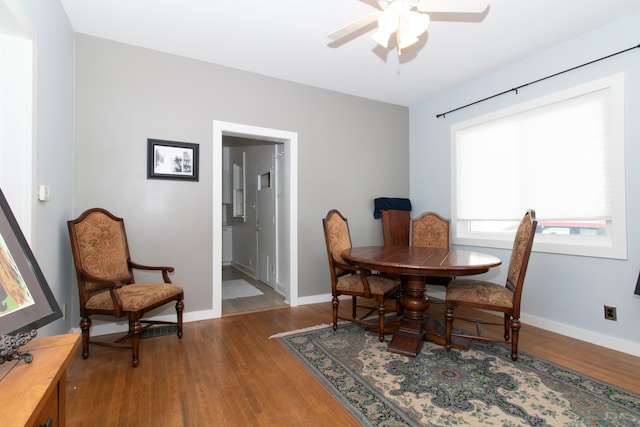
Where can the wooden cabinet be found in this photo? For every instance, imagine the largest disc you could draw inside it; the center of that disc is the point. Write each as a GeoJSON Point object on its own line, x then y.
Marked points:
{"type": "Point", "coordinates": [32, 394]}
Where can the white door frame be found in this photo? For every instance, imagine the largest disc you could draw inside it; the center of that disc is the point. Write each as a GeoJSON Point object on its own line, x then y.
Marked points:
{"type": "Point", "coordinates": [290, 141]}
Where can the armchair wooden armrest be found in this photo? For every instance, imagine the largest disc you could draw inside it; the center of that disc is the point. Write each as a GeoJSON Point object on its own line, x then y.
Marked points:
{"type": "Point", "coordinates": [351, 269]}
{"type": "Point", "coordinates": [165, 270]}
{"type": "Point", "coordinates": [111, 286]}
{"type": "Point", "coordinates": [103, 283]}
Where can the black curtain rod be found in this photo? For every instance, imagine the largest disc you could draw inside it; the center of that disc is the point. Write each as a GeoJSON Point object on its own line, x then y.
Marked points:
{"type": "Point", "coordinates": [515, 89]}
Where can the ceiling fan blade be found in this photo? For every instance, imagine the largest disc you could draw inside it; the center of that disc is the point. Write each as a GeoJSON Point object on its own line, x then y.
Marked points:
{"type": "Point", "coordinates": [453, 6]}
{"type": "Point", "coordinates": [354, 26]}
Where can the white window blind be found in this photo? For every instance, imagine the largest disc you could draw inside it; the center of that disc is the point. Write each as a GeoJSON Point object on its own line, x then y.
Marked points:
{"type": "Point", "coordinates": [554, 158]}
{"type": "Point", "coordinates": [562, 155]}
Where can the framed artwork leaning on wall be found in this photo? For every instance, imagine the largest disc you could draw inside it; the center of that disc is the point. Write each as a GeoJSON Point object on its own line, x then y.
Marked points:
{"type": "Point", "coordinates": [26, 301]}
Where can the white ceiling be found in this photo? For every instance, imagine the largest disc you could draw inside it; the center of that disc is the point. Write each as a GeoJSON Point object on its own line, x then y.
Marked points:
{"type": "Point", "coordinates": [287, 39]}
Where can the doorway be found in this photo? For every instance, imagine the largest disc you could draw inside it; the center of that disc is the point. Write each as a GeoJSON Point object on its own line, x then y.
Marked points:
{"type": "Point", "coordinates": [285, 223]}
{"type": "Point", "coordinates": [249, 225]}
{"type": "Point", "coordinates": [266, 298]}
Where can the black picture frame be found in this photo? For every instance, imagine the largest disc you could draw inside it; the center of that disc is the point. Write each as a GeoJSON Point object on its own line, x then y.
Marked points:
{"type": "Point", "coordinates": [26, 301]}
{"type": "Point", "coordinates": [172, 160]}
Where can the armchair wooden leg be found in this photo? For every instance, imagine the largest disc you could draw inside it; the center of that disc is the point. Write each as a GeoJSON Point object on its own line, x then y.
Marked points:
{"type": "Point", "coordinates": [179, 310]}
{"type": "Point", "coordinates": [135, 327]}
{"type": "Point", "coordinates": [507, 326]}
{"type": "Point", "coordinates": [85, 325]}
{"type": "Point", "coordinates": [354, 306]}
{"type": "Point", "coordinates": [335, 301]}
{"type": "Point", "coordinates": [448, 328]}
{"type": "Point", "coordinates": [381, 310]}
{"type": "Point", "coordinates": [515, 332]}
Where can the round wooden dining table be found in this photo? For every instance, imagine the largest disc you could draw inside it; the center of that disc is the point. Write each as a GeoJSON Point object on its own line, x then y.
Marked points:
{"type": "Point", "coordinates": [414, 264]}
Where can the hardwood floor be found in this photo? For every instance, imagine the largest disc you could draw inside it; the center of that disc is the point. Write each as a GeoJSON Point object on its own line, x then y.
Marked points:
{"type": "Point", "coordinates": [269, 298]}
{"type": "Point", "coordinates": [227, 372]}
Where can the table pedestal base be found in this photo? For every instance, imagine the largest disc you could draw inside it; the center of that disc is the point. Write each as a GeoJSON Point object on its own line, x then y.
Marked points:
{"type": "Point", "coordinates": [408, 337]}
{"type": "Point", "coordinates": [415, 328]}
{"type": "Point", "coordinates": [388, 329]}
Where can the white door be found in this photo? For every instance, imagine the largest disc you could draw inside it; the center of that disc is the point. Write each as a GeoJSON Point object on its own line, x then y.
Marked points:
{"type": "Point", "coordinates": [266, 216]}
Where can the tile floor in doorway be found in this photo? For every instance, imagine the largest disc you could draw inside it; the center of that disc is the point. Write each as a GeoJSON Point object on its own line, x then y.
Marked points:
{"type": "Point", "coordinates": [269, 299]}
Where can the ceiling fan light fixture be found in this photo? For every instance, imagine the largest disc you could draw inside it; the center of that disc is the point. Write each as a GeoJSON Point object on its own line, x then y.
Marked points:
{"type": "Point", "coordinates": [382, 37]}
{"type": "Point", "coordinates": [388, 23]}
{"type": "Point", "coordinates": [405, 39]}
{"type": "Point", "coordinates": [418, 23]}
{"type": "Point", "coordinates": [400, 17]}
{"type": "Point", "coordinates": [408, 19]}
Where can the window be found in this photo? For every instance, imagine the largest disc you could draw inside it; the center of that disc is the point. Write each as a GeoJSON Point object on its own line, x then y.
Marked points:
{"type": "Point", "coordinates": [239, 205]}
{"type": "Point", "coordinates": [562, 155]}
{"type": "Point", "coordinates": [16, 122]}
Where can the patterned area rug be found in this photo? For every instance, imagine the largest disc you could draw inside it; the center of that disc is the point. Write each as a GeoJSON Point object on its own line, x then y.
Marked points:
{"type": "Point", "coordinates": [479, 387]}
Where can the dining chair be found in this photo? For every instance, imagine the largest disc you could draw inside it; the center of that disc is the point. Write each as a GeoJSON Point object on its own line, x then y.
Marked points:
{"type": "Point", "coordinates": [495, 297]}
{"type": "Point", "coordinates": [106, 283]}
{"type": "Point", "coordinates": [396, 224]}
{"type": "Point", "coordinates": [350, 280]}
{"type": "Point", "coordinates": [431, 230]}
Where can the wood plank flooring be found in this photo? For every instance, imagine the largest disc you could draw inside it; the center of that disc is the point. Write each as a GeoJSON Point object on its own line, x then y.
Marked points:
{"type": "Point", "coordinates": [227, 372]}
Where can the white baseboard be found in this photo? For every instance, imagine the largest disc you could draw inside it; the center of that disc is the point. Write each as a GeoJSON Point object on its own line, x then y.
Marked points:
{"type": "Point", "coordinates": [314, 299]}
{"type": "Point", "coordinates": [629, 347]}
{"type": "Point", "coordinates": [244, 268]}
{"type": "Point", "coordinates": [104, 328]}
{"type": "Point", "coordinates": [602, 340]}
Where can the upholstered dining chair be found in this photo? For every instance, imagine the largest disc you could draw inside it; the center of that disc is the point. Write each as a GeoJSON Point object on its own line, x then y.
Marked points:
{"type": "Point", "coordinates": [347, 279]}
{"type": "Point", "coordinates": [395, 227]}
{"type": "Point", "coordinates": [431, 230]}
{"type": "Point", "coordinates": [492, 296]}
{"type": "Point", "coordinates": [106, 283]}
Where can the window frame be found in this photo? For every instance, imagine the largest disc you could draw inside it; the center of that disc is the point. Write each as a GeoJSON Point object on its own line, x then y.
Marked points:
{"type": "Point", "coordinates": [18, 79]}
{"type": "Point", "coordinates": [614, 244]}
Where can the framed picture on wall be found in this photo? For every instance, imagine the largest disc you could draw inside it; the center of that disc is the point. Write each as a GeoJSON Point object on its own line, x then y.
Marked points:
{"type": "Point", "coordinates": [26, 301]}
{"type": "Point", "coordinates": [172, 160]}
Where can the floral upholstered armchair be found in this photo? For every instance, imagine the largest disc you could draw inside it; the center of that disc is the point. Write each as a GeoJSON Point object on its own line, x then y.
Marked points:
{"type": "Point", "coordinates": [106, 282]}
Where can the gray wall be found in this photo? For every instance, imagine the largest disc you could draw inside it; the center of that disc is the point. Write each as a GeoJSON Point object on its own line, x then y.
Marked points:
{"type": "Point", "coordinates": [562, 293]}
{"type": "Point", "coordinates": [351, 150]}
{"type": "Point", "coordinates": [53, 151]}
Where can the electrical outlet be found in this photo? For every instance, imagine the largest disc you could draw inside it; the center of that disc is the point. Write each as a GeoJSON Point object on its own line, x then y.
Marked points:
{"type": "Point", "coordinates": [610, 312]}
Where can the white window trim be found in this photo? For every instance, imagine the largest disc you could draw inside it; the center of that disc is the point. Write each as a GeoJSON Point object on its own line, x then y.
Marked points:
{"type": "Point", "coordinates": [615, 244]}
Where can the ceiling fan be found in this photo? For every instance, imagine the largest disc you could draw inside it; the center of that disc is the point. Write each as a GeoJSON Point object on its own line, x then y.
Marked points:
{"type": "Point", "coordinates": [409, 19]}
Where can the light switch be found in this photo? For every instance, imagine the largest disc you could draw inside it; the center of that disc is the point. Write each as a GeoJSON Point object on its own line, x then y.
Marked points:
{"type": "Point", "coordinates": [43, 193]}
